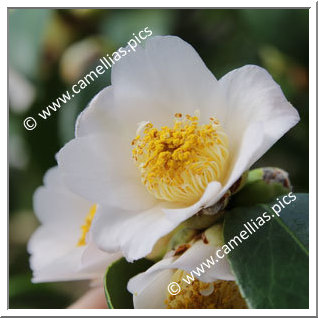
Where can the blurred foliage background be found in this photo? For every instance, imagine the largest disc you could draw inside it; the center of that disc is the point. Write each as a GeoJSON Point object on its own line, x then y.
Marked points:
{"type": "Point", "coordinates": [49, 50]}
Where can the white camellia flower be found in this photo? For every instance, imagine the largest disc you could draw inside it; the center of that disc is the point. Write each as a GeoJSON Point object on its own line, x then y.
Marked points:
{"type": "Point", "coordinates": [189, 280]}
{"type": "Point", "coordinates": [167, 139]}
{"type": "Point", "coordinates": [61, 248]}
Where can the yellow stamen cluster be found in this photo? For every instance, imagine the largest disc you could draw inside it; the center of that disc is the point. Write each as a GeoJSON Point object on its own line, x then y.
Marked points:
{"type": "Point", "coordinates": [87, 225]}
{"type": "Point", "coordinates": [198, 295]}
{"type": "Point", "coordinates": [177, 163]}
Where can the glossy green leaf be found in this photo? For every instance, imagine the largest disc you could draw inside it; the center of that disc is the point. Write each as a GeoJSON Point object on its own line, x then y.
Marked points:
{"type": "Point", "coordinates": [271, 265]}
{"type": "Point", "coordinates": [115, 282]}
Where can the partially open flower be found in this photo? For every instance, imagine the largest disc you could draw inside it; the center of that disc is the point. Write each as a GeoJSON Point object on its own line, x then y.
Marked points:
{"type": "Point", "coordinates": [168, 139]}
{"type": "Point", "coordinates": [172, 282]}
{"type": "Point", "coordinates": [61, 248]}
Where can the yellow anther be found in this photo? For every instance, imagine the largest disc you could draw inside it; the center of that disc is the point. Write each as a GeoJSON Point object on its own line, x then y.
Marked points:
{"type": "Point", "coordinates": [177, 163]}
{"type": "Point", "coordinates": [87, 225]}
{"type": "Point", "coordinates": [220, 294]}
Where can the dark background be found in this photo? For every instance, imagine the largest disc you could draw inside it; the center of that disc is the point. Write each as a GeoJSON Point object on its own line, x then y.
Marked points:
{"type": "Point", "coordinates": [49, 50]}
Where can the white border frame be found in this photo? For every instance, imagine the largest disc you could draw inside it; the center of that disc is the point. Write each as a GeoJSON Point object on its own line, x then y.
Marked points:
{"type": "Point", "coordinates": [312, 161]}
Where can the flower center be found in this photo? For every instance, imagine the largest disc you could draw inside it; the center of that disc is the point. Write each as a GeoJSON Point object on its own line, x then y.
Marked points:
{"type": "Point", "coordinates": [220, 294]}
{"type": "Point", "coordinates": [87, 225]}
{"type": "Point", "coordinates": [177, 163]}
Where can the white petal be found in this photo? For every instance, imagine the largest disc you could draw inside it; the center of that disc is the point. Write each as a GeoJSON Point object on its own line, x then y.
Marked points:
{"type": "Point", "coordinates": [199, 253]}
{"type": "Point", "coordinates": [99, 116]}
{"type": "Point", "coordinates": [63, 268]}
{"type": "Point", "coordinates": [94, 260]}
{"type": "Point", "coordinates": [56, 257]}
{"type": "Point", "coordinates": [254, 97]}
{"type": "Point", "coordinates": [101, 169]}
{"type": "Point", "coordinates": [132, 232]}
{"type": "Point", "coordinates": [53, 246]}
{"type": "Point", "coordinates": [245, 154]}
{"type": "Point", "coordinates": [136, 232]}
{"type": "Point", "coordinates": [48, 243]}
{"type": "Point", "coordinates": [165, 77]}
{"type": "Point", "coordinates": [58, 209]}
{"type": "Point", "coordinates": [53, 178]}
{"type": "Point", "coordinates": [178, 215]}
{"type": "Point", "coordinates": [258, 114]}
{"type": "Point", "coordinates": [154, 292]}
{"type": "Point", "coordinates": [54, 205]}
{"type": "Point", "coordinates": [153, 83]}
{"type": "Point", "coordinates": [142, 284]}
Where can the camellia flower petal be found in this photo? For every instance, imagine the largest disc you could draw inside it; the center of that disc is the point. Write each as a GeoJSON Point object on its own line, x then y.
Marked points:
{"type": "Point", "coordinates": [61, 248]}
{"type": "Point", "coordinates": [151, 288]}
{"type": "Point", "coordinates": [167, 139]}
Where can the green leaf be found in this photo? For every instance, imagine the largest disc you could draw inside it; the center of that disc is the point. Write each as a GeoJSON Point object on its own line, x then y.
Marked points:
{"type": "Point", "coordinates": [297, 221]}
{"type": "Point", "coordinates": [271, 265]}
{"type": "Point", "coordinates": [115, 282]}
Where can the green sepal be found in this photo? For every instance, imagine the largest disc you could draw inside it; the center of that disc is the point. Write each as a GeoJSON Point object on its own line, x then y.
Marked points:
{"type": "Point", "coordinates": [262, 186]}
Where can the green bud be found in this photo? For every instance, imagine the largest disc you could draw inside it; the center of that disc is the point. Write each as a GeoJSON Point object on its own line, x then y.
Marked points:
{"type": "Point", "coordinates": [204, 220]}
{"type": "Point", "coordinates": [262, 186]}
{"type": "Point", "coordinates": [214, 235]}
{"type": "Point", "coordinates": [184, 235]}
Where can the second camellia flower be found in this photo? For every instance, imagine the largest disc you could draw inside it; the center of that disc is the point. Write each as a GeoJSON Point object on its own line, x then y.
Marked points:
{"type": "Point", "coordinates": [206, 285]}
{"type": "Point", "coordinates": [61, 248]}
